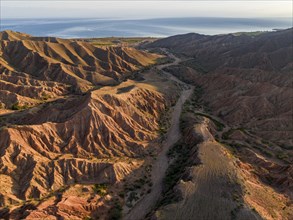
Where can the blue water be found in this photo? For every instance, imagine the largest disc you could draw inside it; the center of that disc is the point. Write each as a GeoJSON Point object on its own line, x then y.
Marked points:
{"type": "Point", "coordinates": [81, 28]}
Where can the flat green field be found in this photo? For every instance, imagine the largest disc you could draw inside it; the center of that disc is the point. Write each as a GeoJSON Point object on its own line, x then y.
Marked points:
{"type": "Point", "coordinates": [118, 41]}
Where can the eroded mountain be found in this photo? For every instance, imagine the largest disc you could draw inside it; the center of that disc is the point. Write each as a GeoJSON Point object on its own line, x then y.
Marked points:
{"type": "Point", "coordinates": [243, 86]}
{"type": "Point", "coordinates": [201, 129]}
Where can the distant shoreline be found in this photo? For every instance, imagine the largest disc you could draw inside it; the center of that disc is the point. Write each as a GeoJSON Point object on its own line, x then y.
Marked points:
{"type": "Point", "coordinates": [157, 27]}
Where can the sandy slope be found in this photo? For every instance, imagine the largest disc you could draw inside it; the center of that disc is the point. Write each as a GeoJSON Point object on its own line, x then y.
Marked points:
{"type": "Point", "coordinates": [208, 194]}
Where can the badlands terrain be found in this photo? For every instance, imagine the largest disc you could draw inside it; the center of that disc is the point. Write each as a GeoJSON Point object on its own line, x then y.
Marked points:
{"type": "Point", "coordinates": [187, 127]}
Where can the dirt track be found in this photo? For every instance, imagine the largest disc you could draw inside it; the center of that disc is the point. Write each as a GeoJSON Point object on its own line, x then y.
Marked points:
{"type": "Point", "coordinates": [145, 205]}
{"type": "Point", "coordinates": [216, 170]}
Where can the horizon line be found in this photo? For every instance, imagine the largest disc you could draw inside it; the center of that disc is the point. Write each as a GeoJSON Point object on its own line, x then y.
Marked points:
{"type": "Point", "coordinates": [146, 18]}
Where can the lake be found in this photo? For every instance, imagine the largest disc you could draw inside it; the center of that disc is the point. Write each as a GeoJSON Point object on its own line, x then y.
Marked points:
{"type": "Point", "coordinates": [160, 27]}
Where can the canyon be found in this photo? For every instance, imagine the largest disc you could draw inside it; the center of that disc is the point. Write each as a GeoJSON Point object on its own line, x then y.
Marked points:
{"type": "Point", "coordinates": [186, 127]}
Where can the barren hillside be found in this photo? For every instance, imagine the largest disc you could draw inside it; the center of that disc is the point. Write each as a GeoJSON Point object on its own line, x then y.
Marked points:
{"type": "Point", "coordinates": [201, 131]}
{"type": "Point", "coordinates": [247, 80]}
{"type": "Point", "coordinates": [243, 86]}
{"type": "Point", "coordinates": [35, 68]}
{"type": "Point", "coordinates": [72, 121]}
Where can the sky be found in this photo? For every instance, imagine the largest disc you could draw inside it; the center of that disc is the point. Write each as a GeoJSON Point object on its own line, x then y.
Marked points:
{"type": "Point", "coordinates": [144, 9]}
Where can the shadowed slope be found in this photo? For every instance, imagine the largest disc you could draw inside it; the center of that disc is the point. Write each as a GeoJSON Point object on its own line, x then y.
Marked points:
{"type": "Point", "coordinates": [247, 80]}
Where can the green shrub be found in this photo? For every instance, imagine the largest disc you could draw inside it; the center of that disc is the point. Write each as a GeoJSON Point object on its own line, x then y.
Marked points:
{"type": "Point", "coordinates": [227, 134]}
{"type": "Point", "coordinates": [132, 197]}
{"type": "Point", "coordinates": [100, 189]}
{"type": "Point", "coordinates": [115, 213]}
{"type": "Point", "coordinates": [282, 156]}
{"type": "Point", "coordinates": [45, 96]}
{"type": "Point", "coordinates": [17, 106]}
{"type": "Point", "coordinates": [121, 194]}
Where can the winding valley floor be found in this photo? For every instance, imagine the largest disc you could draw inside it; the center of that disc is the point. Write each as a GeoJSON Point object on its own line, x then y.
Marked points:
{"type": "Point", "coordinates": [147, 203]}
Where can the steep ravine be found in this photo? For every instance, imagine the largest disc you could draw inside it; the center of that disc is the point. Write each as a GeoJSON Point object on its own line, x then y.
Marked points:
{"type": "Point", "coordinates": [147, 203]}
{"type": "Point", "coordinates": [218, 180]}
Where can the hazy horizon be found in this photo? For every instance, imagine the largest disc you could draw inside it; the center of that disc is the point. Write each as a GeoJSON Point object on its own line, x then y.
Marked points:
{"type": "Point", "coordinates": [11, 9]}
{"type": "Point", "coordinates": [74, 19]}
{"type": "Point", "coordinates": [160, 27]}
{"type": "Point", "coordinates": [150, 18]}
